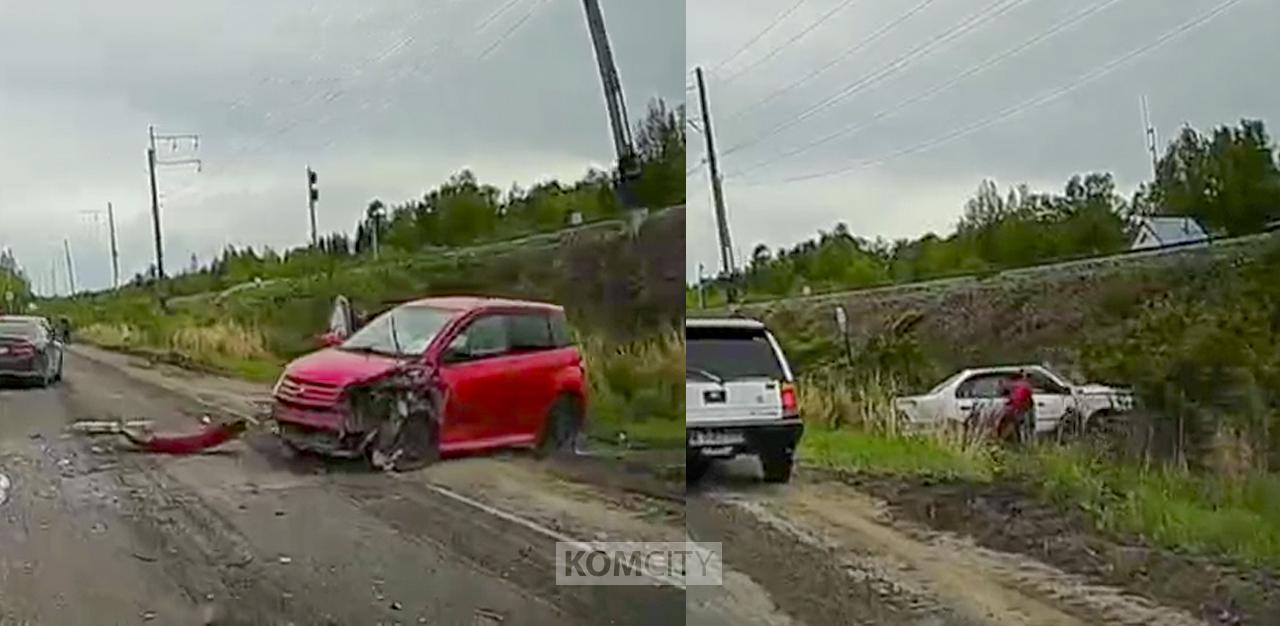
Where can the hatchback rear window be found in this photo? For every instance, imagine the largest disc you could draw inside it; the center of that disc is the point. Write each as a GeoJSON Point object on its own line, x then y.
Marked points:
{"type": "Point", "coordinates": [24, 330]}
{"type": "Point", "coordinates": [730, 353]}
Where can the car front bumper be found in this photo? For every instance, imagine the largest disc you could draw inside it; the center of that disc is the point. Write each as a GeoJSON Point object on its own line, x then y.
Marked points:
{"type": "Point", "coordinates": [731, 438]}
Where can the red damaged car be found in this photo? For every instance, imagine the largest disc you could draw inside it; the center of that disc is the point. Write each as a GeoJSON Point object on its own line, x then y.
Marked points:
{"type": "Point", "coordinates": [436, 376]}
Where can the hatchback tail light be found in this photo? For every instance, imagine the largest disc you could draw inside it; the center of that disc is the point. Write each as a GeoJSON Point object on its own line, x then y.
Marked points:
{"type": "Point", "coordinates": [790, 407]}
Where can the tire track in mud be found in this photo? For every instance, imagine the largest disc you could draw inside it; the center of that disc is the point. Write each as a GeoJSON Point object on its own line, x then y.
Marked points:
{"type": "Point", "coordinates": [814, 581]}
{"type": "Point", "coordinates": [929, 574]}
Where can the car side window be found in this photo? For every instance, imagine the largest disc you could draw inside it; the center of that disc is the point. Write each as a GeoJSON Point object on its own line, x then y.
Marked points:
{"type": "Point", "coordinates": [483, 338]}
{"type": "Point", "coordinates": [529, 332]}
{"type": "Point", "coordinates": [1041, 383]}
{"type": "Point", "coordinates": [560, 331]}
{"type": "Point", "coordinates": [981, 386]}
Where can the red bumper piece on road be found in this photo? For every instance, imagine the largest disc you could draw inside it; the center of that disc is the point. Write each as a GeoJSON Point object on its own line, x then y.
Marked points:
{"type": "Point", "coordinates": [210, 436]}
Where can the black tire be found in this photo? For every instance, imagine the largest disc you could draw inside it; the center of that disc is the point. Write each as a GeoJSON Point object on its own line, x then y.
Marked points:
{"type": "Point", "coordinates": [62, 359]}
{"type": "Point", "coordinates": [695, 467]}
{"type": "Point", "coordinates": [777, 467]}
{"type": "Point", "coordinates": [560, 431]}
{"type": "Point", "coordinates": [414, 446]}
{"type": "Point", "coordinates": [46, 378]}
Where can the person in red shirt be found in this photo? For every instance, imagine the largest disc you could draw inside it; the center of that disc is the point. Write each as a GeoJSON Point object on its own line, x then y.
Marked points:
{"type": "Point", "coordinates": [1018, 418]}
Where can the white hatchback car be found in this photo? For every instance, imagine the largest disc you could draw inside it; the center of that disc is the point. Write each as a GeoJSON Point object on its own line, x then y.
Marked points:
{"type": "Point", "coordinates": [740, 397]}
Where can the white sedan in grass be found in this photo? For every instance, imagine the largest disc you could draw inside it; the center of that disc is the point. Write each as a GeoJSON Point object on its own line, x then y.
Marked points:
{"type": "Point", "coordinates": [981, 390]}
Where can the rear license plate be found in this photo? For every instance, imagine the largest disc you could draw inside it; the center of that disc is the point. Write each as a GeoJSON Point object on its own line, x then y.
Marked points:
{"type": "Point", "coordinates": [715, 438]}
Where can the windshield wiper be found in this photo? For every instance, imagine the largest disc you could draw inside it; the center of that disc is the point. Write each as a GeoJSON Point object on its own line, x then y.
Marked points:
{"type": "Point", "coordinates": [705, 374]}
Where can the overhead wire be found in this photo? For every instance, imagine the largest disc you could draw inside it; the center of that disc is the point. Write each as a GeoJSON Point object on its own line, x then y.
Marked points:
{"type": "Point", "coordinates": [515, 27]}
{"type": "Point", "coordinates": [778, 19]}
{"type": "Point", "coordinates": [987, 14]}
{"type": "Point", "coordinates": [1186, 27]}
{"type": "Point", "coordinates": [936, 89]}
{"type": "Point", "coordinates": [860, 45]}
{"type": "Point", "coordinates": [791, 41]}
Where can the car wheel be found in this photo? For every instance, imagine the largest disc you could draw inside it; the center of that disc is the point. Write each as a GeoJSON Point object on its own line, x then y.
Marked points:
{"type": "Point", "coordinates": [414, 445]}
{"type": "Point", "coordinates": [695, 467]}
{"type": "Point", "coordinates": [777, 467]}
{"type": "Point", "coordinates": [560, 431]}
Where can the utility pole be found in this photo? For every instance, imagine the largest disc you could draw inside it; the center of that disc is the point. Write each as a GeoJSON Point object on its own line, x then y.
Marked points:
{"type": "Point", "coordinates": [152, 162]}
{"type": "Point", "coordinates": [722, 223]}
{"type": "Point", "coordinates": [313, 195]}
{"type": "Point", "coordinates": [53, 277]}
{"type": "Point", "coordinates": [71, 272]}
{"type": "Point", "coordinates": [619, 123]}
{"type": "Point", "coordinates": [115, 250]}
{"type": "Point", "coordinates": [1152, 145]}
{"type": "Point", "coordinates": [702, 289]}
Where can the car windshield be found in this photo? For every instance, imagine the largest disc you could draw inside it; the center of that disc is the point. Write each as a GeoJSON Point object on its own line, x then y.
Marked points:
{"type": "Point", "coordinates": [25, 330]}
{"type": "Point", "coordinates": [946, 383]}
{"type": "Point", "coordinates": [730, 353]}
{"type": "Point", "coordinates": [403, 331]}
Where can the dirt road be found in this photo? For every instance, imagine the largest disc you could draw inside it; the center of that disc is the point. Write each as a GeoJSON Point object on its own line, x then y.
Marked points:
{"type": "Point", "coordinates": [827, 553]}
{"type": "Point", "coordinates": [92, 533]}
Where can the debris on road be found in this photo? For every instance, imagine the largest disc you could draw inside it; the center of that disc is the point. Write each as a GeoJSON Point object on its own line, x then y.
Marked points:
{"type": "Point", "coordinates": [208, 437]}
{"type": "Point", "coordinates": [285, 560]}
{"type": "Point", "coordinates": [140, 434]}
{"type": "Point", "coordinates": [109, 427]}
{"type": "Point", "coordinates": [4, 488]}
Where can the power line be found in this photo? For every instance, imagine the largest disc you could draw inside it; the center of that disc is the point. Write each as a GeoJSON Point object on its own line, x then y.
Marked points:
{"type": "Point", "coordinates": [778, 19]}
{"type": "Point", "coordinates": [511, 30]}
{"type": "Point", "coordinates": [988, 13]}
{"type": "Point", "coordinates": [794, 38]}
{"type": "Point", "coordinates": [1037, 101]}
{"type": "Point", "coordinates": [850, 51]}
{"type": "Point", "coordinates": [356, 70]}
{"type": "Point", "coordinates": [935, 90]}
{"type": "Point", "coordinates": [496, 14]}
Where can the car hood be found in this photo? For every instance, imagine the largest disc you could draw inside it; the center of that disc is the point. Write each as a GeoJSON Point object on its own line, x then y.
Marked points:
{"type": "Point", "coordinates": [341, 367]}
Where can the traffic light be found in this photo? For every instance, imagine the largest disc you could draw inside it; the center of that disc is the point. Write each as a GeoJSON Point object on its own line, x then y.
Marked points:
{"type": "Point", "coordinates": [311, 185]}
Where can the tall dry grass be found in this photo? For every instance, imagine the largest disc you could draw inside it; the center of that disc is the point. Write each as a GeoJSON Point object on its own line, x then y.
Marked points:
{"type": "Point", "coordinates": [111, 335]}
{"type": "Point", "coordinates": [863, 402]}
{"type": "Point", "coordinates": [637, 387]}
{"type": "Point", "coordinates": [219, 340]}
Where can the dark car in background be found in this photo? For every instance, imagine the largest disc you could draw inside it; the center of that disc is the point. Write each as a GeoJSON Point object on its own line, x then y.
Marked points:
{"type": "Point", "coordinates": [30, 349]}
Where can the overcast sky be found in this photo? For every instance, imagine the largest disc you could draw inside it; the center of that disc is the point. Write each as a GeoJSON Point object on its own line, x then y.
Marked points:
{"type": "Point", "coordinates": [1214, 75]}
{"type": "Point", "coordinates": [383, 98]}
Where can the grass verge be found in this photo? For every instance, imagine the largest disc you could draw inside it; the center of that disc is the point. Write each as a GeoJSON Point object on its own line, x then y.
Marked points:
{"type": "Point", "coordinates": [904, 455]}
{"type": "Point", "coordinates": [1238, 518]}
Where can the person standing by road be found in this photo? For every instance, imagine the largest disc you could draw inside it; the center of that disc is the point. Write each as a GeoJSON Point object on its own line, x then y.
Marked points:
{"type": "Point", "coordinates": [1018, 420]}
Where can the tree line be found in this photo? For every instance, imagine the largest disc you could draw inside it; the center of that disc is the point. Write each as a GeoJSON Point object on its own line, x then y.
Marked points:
{"type": "Point", "coordinates": [1228, 180]}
